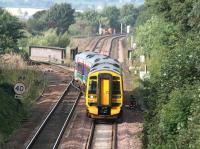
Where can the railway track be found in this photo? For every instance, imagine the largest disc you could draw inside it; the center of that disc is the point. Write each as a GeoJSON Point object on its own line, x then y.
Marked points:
{"type": "Point", "coordinates": [114, 45]}
{"type": "Point", "coordinates": [102, 136]}
{"type": "Point", "coordinates": [100, 43]}
{"type": "Point", "coordinates": [97, 135]}
{"type": "Point", "coordinates": [93, 44]}
{"type": "Point", "coordinates": [50, 131]}
{"type": "Point", "coordinates": [106, 44]}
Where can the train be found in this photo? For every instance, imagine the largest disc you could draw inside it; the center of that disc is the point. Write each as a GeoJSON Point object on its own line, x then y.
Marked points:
{"type": "Point", "coordinates": [106, 31]}
{"type": "Point", "coordinates": [103, 79]}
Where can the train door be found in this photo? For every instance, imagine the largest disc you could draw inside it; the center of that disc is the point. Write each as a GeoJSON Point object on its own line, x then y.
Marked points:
{"type": "Point", "coordinates": [105, 93]}
{"type": "Point", "coordinates": [105, 86]}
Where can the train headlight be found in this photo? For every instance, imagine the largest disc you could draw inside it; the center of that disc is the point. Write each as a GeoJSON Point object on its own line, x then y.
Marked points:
{"type": "Point", "coordinates": [92, 96]}
{"type": "Point", "coordinates": [92, 100]}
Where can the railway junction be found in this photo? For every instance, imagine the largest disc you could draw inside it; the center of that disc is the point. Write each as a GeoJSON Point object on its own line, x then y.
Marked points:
{"type": "Point", "coordinates": [59, 118]}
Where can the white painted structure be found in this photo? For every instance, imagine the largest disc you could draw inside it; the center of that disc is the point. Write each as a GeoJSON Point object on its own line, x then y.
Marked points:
{"type": "Point", "coordinates": [128, 29]}
{"type": "Point", "coordinates": [142, 58]}
{"type": "Point", "coordinates": [47, 54]}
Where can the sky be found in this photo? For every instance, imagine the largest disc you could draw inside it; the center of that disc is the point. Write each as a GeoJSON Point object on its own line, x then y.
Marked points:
{"type": "Point", "coordinates": [77, 4]}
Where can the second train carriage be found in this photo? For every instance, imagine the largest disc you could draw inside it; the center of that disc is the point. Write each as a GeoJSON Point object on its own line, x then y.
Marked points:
{"type": "Point", "coordinates": [84, 61]}
{"type": "Point", "coordinates": [104, 92]}
{"type": "Point", "coordinates": [80, 68]}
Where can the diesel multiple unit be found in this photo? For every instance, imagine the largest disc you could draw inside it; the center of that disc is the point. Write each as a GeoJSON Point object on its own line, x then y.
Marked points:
{"type": "Point", "coordinates": [102, 76]}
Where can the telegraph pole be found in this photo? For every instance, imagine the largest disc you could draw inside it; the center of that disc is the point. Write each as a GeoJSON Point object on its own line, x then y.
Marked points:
{"type": "Point", "coordinates": [121, 28]}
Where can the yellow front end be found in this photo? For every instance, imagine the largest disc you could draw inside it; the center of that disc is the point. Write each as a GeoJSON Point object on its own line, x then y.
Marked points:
{"type": "Point", "coordinates": [104, 94]}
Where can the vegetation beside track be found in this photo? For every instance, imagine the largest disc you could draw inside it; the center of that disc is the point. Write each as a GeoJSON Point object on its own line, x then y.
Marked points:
{"type": "Point", "coordinates": [167, 33]}
{"type": "Point", "coordinates": [12, 111]}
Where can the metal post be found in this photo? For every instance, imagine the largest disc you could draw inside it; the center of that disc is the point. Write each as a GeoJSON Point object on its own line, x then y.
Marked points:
{"type": "Point", "coordinates": [131, 41]}
{"type": "Point", "coordinates": [100, 31]}
{"type": "Point", "coordinates": [121, 28]}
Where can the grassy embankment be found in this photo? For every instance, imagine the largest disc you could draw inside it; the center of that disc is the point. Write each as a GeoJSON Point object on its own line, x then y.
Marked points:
{"type": "Point", "coordinates": [12, 112]}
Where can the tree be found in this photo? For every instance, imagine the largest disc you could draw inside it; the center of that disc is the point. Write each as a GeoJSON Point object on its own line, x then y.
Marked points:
{"type": "Point", "coordinates": [112, 14]}
{"type": "Point", "coordinates": [170, 35]}
{"type": "Point", "coordinates": [194, 16]}
{"type": "Point", "coordinates": [86, 23]}
{"type": "Point", "coordinates": [91, 16]}
{"type": "Point", "coordinates": [176, 11]}
{"type": "Point", "coordinates": [60, 16]}
{"type": "Point", "coordinates": [128, 14]}
{"type": "Point", "coordinates": [82, 27]}
{"type": "Point", "coordinates": [38, 21]}
{"type": "Point", "coordinates": [144, 15]}
{"type": "Point", "coordinates": [10, 31]}
{"type": "Point", "coordinates": [105, 22]}
{"type": "Point", "coordinates": [50, 38]}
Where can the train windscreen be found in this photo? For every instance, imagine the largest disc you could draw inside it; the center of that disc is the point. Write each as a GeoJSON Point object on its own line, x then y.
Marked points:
{"type": "Point", "coordinates": [116, 87]}
{"type": "Point", "coordinates": [92, 87]}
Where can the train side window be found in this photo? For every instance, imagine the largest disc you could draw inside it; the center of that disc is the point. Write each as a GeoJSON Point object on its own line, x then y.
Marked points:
{"type": "Point", "coordinates": [87, 70]}
{"type": "Point", "coordinates": [76, 66]}
{"type": "Point", "coordinates": [92, 87]}
{"type": "Point", "coordinates": [80, 67]}
{"type": "Point", "coordinates": [116, 87]}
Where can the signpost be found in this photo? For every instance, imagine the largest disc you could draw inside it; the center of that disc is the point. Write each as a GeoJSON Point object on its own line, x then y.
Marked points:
{"type": "Point", "coordinates": [19, 89]}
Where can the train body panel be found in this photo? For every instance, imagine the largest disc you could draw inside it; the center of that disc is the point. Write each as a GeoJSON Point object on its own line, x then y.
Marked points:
{"type": "Point", "coordinates": [81, 68]}
{"type": "Point", "coordinates": [104, 94]}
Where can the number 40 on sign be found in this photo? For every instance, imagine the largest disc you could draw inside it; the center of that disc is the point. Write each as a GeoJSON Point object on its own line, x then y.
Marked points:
{"type": "Point", "coordinates": [19, 88]}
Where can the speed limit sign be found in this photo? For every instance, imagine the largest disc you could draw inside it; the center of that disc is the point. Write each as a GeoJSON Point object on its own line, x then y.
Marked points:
{"type": "Point", "coordinates": [19, 88]}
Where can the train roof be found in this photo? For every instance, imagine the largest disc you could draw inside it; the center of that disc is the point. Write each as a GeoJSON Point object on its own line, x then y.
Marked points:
{"type": "Point", "coordinates": [84, 55]}
{"type": "Point", "coordinates": [89, 58]}
{"type": "Point", "coordinates": [107, 60]}
{"type": "Point", "coordinates": [99, 61]}
{"type": "Point", "coordinates": [106, 66]}
{"type": "Point", "coordinates": [95, 58]}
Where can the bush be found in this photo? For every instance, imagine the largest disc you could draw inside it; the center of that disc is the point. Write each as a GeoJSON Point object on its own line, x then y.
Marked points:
{"type": "Point", "coordinates": [172, 93]}
{"type": "Point", "coordinates": [49, 38]}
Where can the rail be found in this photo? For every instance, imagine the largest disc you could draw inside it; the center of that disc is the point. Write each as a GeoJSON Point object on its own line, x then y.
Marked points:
{"type": "Point", "coordinates": [111, 45]}
{"type": "Point", "coordinates": [53, 113]}
{"type": "Point", "coordinates": [98, 41]}
{"type": "Point", "coordinates": [110, 139]}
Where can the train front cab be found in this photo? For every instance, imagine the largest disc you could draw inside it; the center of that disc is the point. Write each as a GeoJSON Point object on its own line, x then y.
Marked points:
{"type": "Point", "coordinates": [104, 95]}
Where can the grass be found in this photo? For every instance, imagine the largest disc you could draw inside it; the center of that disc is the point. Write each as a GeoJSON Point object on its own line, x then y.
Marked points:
{"type": "Point", "coordinates": [136, 67]}
{"type": "Point", "coordinates": [12, 111]}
